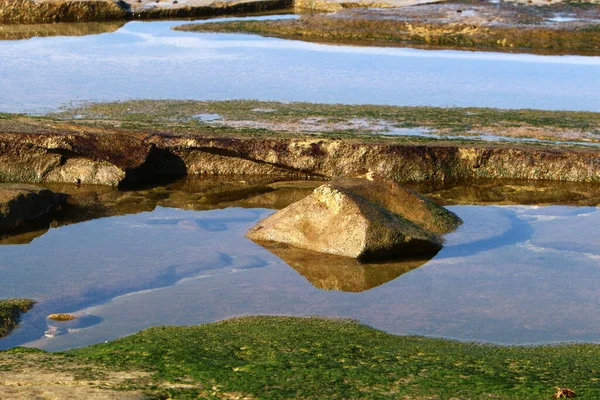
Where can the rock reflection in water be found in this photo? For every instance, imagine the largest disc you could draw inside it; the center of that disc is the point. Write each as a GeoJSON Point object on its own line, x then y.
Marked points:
{"type": "Point", "coordinates": [330, 272]}
{"type": "Point", "coordinates": [216, 192]}
{"type": "Point", "coordinates": [27, 31]}
{"type": "Point", "coordinates": [514, 275]}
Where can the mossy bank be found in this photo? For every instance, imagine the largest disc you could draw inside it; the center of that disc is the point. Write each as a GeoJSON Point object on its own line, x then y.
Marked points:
{"type": "Point", "coordinates": [10, 313]}
{"type": "Point", "coordinates": [284, 357]}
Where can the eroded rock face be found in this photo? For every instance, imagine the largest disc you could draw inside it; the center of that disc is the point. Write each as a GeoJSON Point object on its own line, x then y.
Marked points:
{"type": "Point", "coordinates": [336, 220]}
{"type": "Point", "coordinates": [329, 158]}
{"type": "Point", "coordinates": [22, 202]}
{"type": "Point", "coordinates": [40, 153]}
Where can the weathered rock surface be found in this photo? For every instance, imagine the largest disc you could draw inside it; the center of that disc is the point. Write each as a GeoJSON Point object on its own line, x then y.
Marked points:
{"type": "Point", "coordinates": [35, 153]}
{"type": "Point", "coordinates": [336, 220]}
{"type": "Point", "coordinates": [36, 11]}
{"type": "Point", "coordinates": [402, 201]}
{"type": "Point", "coordinates": [31, 11]}
{"type": "Point", "coordinates": [38, 151]}
{"type": "Point", "coordinates": [477, 25]}
{"type": "Point", "coordinates": [330, 158]}
{"type": "Point", "coordinates": [23, 202]}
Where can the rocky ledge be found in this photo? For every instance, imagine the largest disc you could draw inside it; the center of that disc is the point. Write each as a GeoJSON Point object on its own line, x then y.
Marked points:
{"type": "Point", "coordinates": [46, 150]}
{"type": "Point", "coordinates": [86, 158]}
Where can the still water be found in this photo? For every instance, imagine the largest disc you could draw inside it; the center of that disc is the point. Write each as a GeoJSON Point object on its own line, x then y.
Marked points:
{"type": "Point", "coordinates": [510, 274]}
{"type": "Point", "coordinates": [148, 60]}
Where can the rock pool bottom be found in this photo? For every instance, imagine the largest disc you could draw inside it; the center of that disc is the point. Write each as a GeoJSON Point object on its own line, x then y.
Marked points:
{"type": "Point", "coordinates": [512, 275]}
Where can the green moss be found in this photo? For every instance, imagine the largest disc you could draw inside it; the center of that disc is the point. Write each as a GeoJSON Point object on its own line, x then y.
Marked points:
{"type": "Point", "coordinates": [285, 357]}
{"type": "Point", "coordinates": [10, 312]}
{"type": "Point", "coordinates": [180, 114]}
{"type": "Point", "coordinates": [250, 118]}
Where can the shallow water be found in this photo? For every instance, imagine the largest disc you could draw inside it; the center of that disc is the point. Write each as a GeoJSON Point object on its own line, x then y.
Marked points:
{"type": "Point", "coordinates": [518, 274]}
{"type": "Point", "coordinates": [148, 60]}
{"type": "Point", "coordinates": [430, 133]}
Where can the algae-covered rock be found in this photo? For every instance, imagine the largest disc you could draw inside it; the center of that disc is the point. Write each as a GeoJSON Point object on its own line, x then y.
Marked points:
{"type": "Point", "coordinates": [337, 220]}
{"type": "Point", "coordinates": [22, 202]}
{"type": "Point", "coordinates": [10, 312]}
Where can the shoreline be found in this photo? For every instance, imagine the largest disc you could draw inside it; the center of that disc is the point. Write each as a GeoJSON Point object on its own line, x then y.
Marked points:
{"type": "Point", "coordinates": [251, 357]}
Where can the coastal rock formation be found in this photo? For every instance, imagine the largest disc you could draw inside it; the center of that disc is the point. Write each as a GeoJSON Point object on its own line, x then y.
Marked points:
{"type": "Point", "coordinates": [22, 202]}
{"type": "Point", "coordinates": [39, 150]}
{"type": "Point", "coordinates": [36, 152]}
{"type": "Point", "coordinates": [331, 158]}
{"type": "Point", "coordinates": [336, 220]}
{"type": "Point", "coordinates": [48, 11]}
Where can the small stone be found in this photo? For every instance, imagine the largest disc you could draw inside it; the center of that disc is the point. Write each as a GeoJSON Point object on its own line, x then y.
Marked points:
{"type": "Point", "coordinates": [61, 317]}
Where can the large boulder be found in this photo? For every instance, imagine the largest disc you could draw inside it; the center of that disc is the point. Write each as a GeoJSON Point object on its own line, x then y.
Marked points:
{"type": "Point", "coordinates": [22, 202]}
{"type": "Point", "coordinates": [407, 203]}
{"type": "Point", "coordinates": [352, 217]}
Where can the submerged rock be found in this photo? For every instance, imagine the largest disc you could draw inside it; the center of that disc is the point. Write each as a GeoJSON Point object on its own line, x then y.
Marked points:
{"type": "Point", "coordinates": [351, 217]}
{"type": "Point", "coordinates": [22, 202]}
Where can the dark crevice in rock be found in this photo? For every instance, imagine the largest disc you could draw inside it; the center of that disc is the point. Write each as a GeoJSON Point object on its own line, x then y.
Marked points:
{"type": "Point", "coordinates": [160, 165]}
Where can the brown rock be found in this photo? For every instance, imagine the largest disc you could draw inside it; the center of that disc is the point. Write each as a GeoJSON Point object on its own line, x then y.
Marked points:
{"type": "Point", "coordinates": [402, 201]}
{"type": "Point", "coordinates": [335, 220]}
{"type": "Point", "coordinates": [61, 317]}
{"type": "Point", "coordinates": [35, 152]}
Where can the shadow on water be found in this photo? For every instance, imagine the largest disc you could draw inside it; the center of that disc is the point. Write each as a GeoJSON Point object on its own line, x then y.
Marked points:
{"type": "Point", "coordinates": [519, 231]}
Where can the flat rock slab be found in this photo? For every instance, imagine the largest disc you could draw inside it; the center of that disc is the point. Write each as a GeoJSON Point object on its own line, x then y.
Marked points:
{"type": "Point", "coordinates": [339, 218]}
{"type": "Point", "coordinates": [22, 202]}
